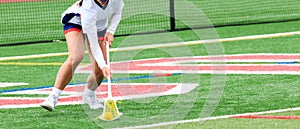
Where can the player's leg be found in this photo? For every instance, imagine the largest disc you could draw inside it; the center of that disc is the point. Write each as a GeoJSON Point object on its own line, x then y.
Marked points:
{"type": "Point", "coordinates": [76, 52]}
{"type": "Point", "coordinates": [75, 44]}
{"type": "Point", "coordinates": [96, 77]}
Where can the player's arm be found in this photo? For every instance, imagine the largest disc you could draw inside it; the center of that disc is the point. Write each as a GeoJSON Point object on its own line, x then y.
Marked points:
{"type": "Point", "coordinates": [114, 22]}
{"type": "Point", "coordinates": [90, 30]}
{"type": "Point", "coordinates": [95, 49]}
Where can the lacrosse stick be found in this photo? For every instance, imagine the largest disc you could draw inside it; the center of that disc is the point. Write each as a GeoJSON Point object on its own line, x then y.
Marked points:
{"type": "Point", "coordinates": [110, 111]}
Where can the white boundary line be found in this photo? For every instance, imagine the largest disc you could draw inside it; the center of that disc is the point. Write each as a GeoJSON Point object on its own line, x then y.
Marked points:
{"type": "Point", "coordinates": [209, 118]}
{"type": "Point", "coordinates": [251, 37]}
{"type": "Point", "coordinates": [8, 84]}
{"type": "Point", "coordinates": [33, 56]}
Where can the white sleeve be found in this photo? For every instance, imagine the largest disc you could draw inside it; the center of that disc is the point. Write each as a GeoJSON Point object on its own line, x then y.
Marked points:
{"type": "Point", "coordinates": [89, 28]}
{"type": "Point", "coordinates": [114, 22]}
{"type": "Point", "coordinates": [116, 18]}
{"type": "Point", "coordinates": [96, 50]}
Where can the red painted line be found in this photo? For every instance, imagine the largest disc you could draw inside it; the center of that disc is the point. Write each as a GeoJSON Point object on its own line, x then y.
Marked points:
{"type": "Point", "coordinates": [269, 117]}
{"type": "Point", "coordinates": [135, 90]}
{"type": "Point", "coordinates": [70, 99]}
{"type": "Point", "coordinates": [123, 90]}
{"type": "Point", "coordinates": [117, 91]}
{"type": "Point", "coordinates": [141, 65]}
{"type": "Point", "coordinates": [211, 68]}
{"type": "Point", "coordinates": [226, 57]}
{"type": "Point", "coordinates": [163, 74]}
{"type": "Point", "coordinates": [20, 101]}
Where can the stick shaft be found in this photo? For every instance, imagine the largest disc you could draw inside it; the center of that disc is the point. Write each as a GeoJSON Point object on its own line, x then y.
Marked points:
{"type": "Point", "coordinates": [108, 79]}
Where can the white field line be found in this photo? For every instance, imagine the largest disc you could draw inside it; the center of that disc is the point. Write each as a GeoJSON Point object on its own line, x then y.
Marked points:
{"type": "Point", "coordinates": [33, 56]}
{"type": "Point", "coordinates": [251, 37]}
{"type": "Point", "coordinates": [209, 118]}
{"type": "Point", "coordinates": [8, 84]}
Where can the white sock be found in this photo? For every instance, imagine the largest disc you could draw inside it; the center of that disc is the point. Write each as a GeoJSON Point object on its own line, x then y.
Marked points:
{"type": "Point", "coordinates": [87, 91]}
{"type": "Point", "coordinates": [56, 91]}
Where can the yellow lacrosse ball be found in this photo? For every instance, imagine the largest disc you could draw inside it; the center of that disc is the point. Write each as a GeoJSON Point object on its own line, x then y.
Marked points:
{"type": "Point", "coordinates": [108, 116]}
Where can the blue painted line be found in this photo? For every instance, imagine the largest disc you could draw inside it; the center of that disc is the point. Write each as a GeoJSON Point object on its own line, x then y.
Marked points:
{"type": "Point", "coordinates": [130, 78]}
{"type": "Point", "coordinates": [292, 62]}
{"type": "Point", "coordinates": [80, 83]}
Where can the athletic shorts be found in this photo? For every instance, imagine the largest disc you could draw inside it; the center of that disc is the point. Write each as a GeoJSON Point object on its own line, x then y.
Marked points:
{"type": "Point", "coordinates": [71, 22]}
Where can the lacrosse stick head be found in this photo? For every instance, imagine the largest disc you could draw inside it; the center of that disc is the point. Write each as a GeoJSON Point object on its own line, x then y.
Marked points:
{"type": "Point", "coordinates": [110, 111]}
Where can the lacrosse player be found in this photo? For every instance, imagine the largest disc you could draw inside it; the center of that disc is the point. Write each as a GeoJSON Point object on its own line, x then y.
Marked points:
{"type": "Point", "coordinates": [87, 20]}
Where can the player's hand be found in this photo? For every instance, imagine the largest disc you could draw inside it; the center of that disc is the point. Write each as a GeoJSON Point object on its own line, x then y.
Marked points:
{"type": "Point", "coordinates": [109, 37]}
{"type": "Point", "coordinates": [106, 72]}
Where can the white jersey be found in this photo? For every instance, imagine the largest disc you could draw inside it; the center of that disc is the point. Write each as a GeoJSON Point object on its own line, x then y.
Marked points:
{"type": "Point", "coordinates": [91, 11]}
{"type": "Point", "coordinates": [72, 9]}
{"type": "Point", "coordinates": [94, 18]}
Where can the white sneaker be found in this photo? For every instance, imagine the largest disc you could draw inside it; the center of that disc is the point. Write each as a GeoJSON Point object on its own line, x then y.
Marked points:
{"type": "Point", "coordinates": [92, 101]}
{"type": "Point", "coordinates": [50, 102]}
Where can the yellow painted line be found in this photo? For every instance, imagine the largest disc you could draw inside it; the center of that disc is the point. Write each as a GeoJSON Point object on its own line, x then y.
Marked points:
{"type": "Point", "coordinates": [31, 63]}
{"type": "Point", "coordinates": [252, 37]}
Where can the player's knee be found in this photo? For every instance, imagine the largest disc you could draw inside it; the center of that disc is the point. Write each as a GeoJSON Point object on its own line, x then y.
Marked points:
{"type": "Point", "coordinates": [75, 61]}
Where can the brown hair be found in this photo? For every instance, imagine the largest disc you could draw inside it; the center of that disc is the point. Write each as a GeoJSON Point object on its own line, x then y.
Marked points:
{"type": "Point", "coordinates": [80, 3]}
